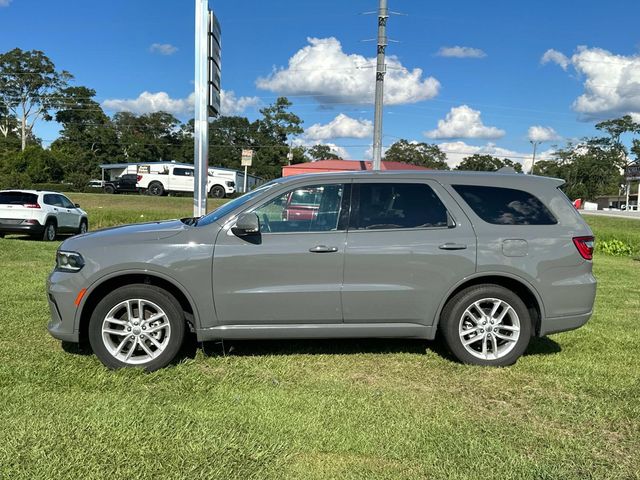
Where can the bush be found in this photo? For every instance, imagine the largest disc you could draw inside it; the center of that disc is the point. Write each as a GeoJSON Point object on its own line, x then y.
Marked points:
{"type": "Point", "coordinates": [615, 248]}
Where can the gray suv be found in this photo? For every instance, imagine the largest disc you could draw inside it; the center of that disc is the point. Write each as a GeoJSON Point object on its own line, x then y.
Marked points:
{"type": "Point", "coordinates": [486, 259]}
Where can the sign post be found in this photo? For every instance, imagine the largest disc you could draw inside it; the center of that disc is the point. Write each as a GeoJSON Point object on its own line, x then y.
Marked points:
{"type": "Point", "coordinates": [246, 161]}
{"type": "Point", "coordinates": [207, 97]}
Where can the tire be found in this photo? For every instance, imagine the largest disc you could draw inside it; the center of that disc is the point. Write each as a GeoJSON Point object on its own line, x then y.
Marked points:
{"type": "Point", "coordinates": [84, 226]}
{"type": "Point", "coordinates": [109, 189]}
{"type": "Point", "coordinates": [50, 231]}
{"type": "Point", "coordinates": [477, 310]}
{"type": "Point", "coordinates": [155, 189]}
{"type": "Point", "coordinates": [119, 350]}
{"type": "Point", "coordinates": [1, 235]}
{"type": "Point", "coordinates": [217, 191]}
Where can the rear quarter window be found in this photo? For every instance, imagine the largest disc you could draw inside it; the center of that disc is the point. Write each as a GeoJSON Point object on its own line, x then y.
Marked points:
{"type": "Point", "coordinates": [18, 198]}
{"type": "Point", "coordinates": [505, 206]}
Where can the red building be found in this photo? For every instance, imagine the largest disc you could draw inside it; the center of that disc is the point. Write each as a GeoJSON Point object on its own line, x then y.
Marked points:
{"type": "Point", "coordinates": [322, 166]}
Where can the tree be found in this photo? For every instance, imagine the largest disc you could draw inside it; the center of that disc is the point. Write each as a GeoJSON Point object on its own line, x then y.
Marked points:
{"type": "Point", "coordinates": [278, 122]}
{"type": "Point", "coordinates": [30, 86]}
{"type": "Point", "coordinates": [487, 163]}
{"type": "Point", "coordinates": [322, 152]}
{"type": "Point", "coordinates": [422, 154]}
{"type": "Point", "coordinates": [588, 168]}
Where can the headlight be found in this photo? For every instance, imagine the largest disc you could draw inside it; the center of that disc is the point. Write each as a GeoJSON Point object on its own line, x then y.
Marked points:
{"type": "Point", "coordinates": [69, 261]}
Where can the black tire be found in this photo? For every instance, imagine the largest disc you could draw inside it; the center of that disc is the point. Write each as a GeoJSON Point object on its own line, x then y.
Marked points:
{"type": "Point", "coordinates": [452, 317]}
{"type": "Point", "coordinates": [50, 231]}
{"type": "Point", "coordinates": [1, 235]}
{"type": "Point", "coordinates": [217, 191]}
{"type": "Point", "coordinates": [109, 189]}
{"type": "Point", "coordinates": [84, 226]}
{"type": "Point", "coordinates": [150, 293]}
{"type": "Point", "coordinates": [155, 189]}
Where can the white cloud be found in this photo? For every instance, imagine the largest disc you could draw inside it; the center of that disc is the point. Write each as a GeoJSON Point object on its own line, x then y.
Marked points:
{"type": "Point", "coordinates": [461, 52]}
{"type": "Point", "coordinates": [323, 70]}
{"type": "Point", "coordinates": [463, 122]}
{"type": "Point", "coordinates": [556, 57]}
{"type": "Point", "coordinates": [232, 105]}
{"type": "Point", "coordinates": [162, 48]}
{"type": "Point", "coordinates": [342, 126]}
{"type": "Point", "coordinates": [538, 133]}
{"type": "Point", "coordinates": [148, 102]}
{"type": "Point", "coordinates": [5, 3]}
{"type": "Point", "coordinates": [611, 83]}
{"type": "Point", "coordinates": [457, 151]}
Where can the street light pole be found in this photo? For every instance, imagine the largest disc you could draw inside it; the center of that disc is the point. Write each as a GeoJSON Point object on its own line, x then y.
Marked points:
{"type": "Point", "coordinates": [535, 144]}
{"type": "Point", "coordinates": [201, 120]}
{"type": "Point", "coordinates": [383, 15]}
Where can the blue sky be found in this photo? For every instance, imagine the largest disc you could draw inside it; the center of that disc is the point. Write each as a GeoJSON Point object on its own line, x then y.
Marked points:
{"type": "Point", "coordinates": [484, 98]}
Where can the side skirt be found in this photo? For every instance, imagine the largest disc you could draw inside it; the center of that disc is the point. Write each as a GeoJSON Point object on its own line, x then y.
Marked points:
{"type": "Point", "coordinates": [303, 331]}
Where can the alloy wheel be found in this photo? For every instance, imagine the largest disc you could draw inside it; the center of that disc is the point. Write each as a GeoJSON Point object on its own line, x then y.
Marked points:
{"type": "Point", "coordinates": [136, 331]}
{"type": "Point", "coordinates": [489, 328]}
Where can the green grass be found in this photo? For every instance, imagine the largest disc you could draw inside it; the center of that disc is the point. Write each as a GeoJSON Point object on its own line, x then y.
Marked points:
{"type": "Point", "coordinates": [609, 228]}
{"type": "Point", "coordinates": [108, 210]}
{"type": "Point", "coordinates": [355, 409]}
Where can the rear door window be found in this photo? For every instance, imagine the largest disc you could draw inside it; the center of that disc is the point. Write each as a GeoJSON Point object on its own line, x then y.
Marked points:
{"type": "Point", "coordinates": [183, 172]}
{"type": "Point", "coordinates": [18, 198]}
{"type": "Point", "coordinates": [396, 205]}
{"type": "Point", "coordinates": [54, 200]}
{"type": "Point", "coordinates": [505, 206]}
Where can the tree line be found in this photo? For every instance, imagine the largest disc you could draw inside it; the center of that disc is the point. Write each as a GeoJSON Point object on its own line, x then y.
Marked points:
{"type": "Point", "coordinates": [32, 90]}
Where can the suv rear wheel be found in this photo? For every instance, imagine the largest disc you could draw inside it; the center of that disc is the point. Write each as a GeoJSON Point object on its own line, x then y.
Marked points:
{"type": "Point", "coordinates": [486, 325]}
{"type": "Point", "coordinates": [137, 326]}
{"type": "Point", "coordinates": [50, 231]}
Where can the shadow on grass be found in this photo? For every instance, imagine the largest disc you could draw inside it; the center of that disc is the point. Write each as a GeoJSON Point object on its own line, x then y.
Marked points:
{"type": "Point", "coordinates": [346, 346]}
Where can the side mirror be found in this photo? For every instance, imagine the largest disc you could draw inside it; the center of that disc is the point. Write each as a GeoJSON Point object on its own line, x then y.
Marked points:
{"type": "Point", "coordinates": [247, 224]}
{"type": "Point", "coordinates": [77, 205]}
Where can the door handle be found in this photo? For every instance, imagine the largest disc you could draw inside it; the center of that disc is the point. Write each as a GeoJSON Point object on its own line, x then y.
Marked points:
{"type": "Point", "coordinates": [452, 246]}
{"type": "Point", "coordinates": [323, 249]}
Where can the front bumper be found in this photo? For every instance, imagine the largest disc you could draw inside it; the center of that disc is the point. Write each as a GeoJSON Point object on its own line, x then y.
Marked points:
{"type": "Point", "coordinates": [562, 324]}
{"type": "Point", "coordinates": [63, 310]}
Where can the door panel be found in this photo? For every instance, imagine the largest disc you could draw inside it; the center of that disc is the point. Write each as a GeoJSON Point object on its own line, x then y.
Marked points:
{"type": "Point", "coordinates": [402, 274]}
{"type": "Point", "coordinates": [292, 271]}
{"type": "Point", "coordinates": [277, 279]}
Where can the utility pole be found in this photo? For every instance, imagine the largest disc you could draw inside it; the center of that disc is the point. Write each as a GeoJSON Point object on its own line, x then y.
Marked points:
{"type": "Point", "coordinates": [383, 15]}
{"type": "Point", "coordinates": [201, 120]}
{"type": "Point", "coordinates": [535, 144]}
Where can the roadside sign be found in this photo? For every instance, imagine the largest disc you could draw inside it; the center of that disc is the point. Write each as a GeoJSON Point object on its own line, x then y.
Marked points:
{"type": "Point", "coordinates": [214, 66]}
{"type": "Point", "coordinates": [247, 158]}
{"type": "Point", "coordinates": [632, 172]}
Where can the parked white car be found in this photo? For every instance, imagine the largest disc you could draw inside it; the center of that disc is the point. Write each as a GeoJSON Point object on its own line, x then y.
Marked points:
{"type": "Point", "coordinates": [180, 179]}
{"type": "Point", "coordinates": [40, 214]}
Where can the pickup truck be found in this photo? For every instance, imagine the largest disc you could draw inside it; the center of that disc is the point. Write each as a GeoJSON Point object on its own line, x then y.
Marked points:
{"type": "Point", "coordinates": [180, 179]}
{"type": "Point", "coordinates": [125, 183]}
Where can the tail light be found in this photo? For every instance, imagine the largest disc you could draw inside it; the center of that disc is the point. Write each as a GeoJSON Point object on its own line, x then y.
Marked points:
{"type": "Point", "coordinates": [585, 246]}
{"type": "Point", "coordinates": [138, 178]}
{"type": "Point", "coordinates": [31, 205]}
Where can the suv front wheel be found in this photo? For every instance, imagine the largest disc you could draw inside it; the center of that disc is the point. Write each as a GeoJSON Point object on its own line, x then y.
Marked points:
{"type": "Point", "coordinates": [137, 326]}
{"type": "Point", "coordinates": [486, 325]}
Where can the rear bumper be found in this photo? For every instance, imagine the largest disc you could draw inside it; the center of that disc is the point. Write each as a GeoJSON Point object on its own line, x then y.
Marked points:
{"type": "Point", "coordinates": [30, 229]}
{"type": "Point", "coordinates": [562, 324]}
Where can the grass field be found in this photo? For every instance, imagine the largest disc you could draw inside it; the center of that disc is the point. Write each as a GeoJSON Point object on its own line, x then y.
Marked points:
{"type": "Point", "coordinates": [352, 409]}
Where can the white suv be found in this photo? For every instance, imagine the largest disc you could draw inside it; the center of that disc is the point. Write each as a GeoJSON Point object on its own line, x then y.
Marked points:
{"type": "Point", "coordinates": [40, 214]}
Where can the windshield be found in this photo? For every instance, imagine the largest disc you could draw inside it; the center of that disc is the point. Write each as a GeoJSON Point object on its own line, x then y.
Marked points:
{"type": "Point", "coordinates": [220, 212]}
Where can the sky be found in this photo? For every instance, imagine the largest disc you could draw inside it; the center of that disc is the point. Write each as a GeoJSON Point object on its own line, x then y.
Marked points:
{"type": "Point", "coordinates": [473, 77]}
